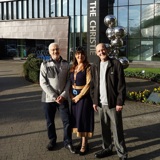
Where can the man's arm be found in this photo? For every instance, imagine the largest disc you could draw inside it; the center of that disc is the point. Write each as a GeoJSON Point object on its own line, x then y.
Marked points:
{"type": "Point", "coordinates": [44, 82]}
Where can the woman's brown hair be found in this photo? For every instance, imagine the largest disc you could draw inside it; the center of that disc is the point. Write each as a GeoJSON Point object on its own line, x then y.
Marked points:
{"type": "Point", "coordinates": [75, 63]}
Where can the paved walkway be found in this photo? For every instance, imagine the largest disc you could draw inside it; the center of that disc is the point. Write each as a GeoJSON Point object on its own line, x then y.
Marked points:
{"type": "Point", "coordinates": [23, 128]}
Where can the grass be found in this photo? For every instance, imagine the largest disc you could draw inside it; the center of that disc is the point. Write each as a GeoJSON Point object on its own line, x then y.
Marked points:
{"type": "Point", "coordinates": [152, 70]}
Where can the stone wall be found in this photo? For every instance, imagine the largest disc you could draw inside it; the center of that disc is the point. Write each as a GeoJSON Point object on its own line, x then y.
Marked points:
{"type": "Point", "coordinates": [48, 28]}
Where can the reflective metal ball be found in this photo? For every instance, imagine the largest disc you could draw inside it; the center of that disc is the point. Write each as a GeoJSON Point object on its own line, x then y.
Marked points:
{"type": "Point", "coordinates": [119, 32]}
{"type": "Point", "coordinates": [118, 42]}
{"type": "Point", "coordinates": [124, 61]}
{"type": "Point", "coordinates": [110, 21]}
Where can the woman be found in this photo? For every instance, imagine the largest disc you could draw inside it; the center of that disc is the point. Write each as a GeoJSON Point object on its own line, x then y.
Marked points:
{"type": "Point", "coordinates": [82, 112]}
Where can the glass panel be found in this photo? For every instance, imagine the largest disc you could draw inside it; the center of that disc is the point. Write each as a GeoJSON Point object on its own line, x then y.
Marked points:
{"type": "Point", "coordinates": [115, 2]}
{"type": "Point", "coordinates": [58, 7]}
{"type": "Point", "coordinates": [84, 7]}
{"type": "Point", "coordinates": [84, 40]}
{"type": "Point", "coordinates": [147, 1]}
{"type": "Point", "coordinates": [157, 1]}
{"type": "Point", "coordinates": [134, 49]}
{"type": "Point", "coordinates": [65, 7]}
{"type": "Point", "coordinates": [25, 9]}
{"type": "Point", "coordinates": [52, 8]}
{"type": "Point", "coordinates": [41, 8]}
{"type": "Point", "coordinates": [71, 7]}
{"type": "Point", "coordinates": [146, 49]}
{"type": "Point", "coordinates": [36, 9]}
{"type": "Point", "coordinates": [78, 40]}
{"type": "Point", "coordinates": [157, 21]}
{"type": "Point", "coordinates": [77, 24]}
{"type": "Point", "coordinates": [30, 8]}
{"type": "Point", "coordinates": [71, 24]}
{"type": "Point", "coordinates": [4, 12]}
{"type": "Point", "coordinates": [46, 8]}
{"type": "Point", "coordinates": [9, 10]}
{"type": "Point", "coordinates": [134, 21]}
{"type": "Point", "coordinates": [19, 10]}
{"type": "Point", "coordinates": [14, 10]}
{"type": "Point", "coordinates": [84, 23]}
{"type": "Point", "coordinates": [122, 2]}
{"type": "Point", "coordinates": [131, 2]}
{"type": "Point", "coordinates": [122, 16]}
{"type": "Point", "coordinates": [115, 12]}
{"type": "Point", "coordinates": [147, 20]}
{"type": "Point", "coordinates": [77, 10]}
{"type": "Point", "coordinates": [156, 55]}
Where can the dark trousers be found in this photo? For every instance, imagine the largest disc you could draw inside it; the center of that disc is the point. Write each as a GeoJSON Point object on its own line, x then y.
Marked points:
{"type": "Point", "coordinates": [50, 111]}
{"type": "Point", "coordinates": [111, 121]}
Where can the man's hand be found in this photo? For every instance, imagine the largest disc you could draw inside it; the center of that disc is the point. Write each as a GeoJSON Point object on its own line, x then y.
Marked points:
{"type": "Point", "coordinates": [60, 99]}
{"type": "Point", "coordinates": [119, 108]}
{"type": "Point", "coordinates": [95, 107]}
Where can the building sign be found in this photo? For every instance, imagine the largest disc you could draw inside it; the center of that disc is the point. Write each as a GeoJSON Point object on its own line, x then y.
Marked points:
{"type": "Point", "coordinates": [92, 33]}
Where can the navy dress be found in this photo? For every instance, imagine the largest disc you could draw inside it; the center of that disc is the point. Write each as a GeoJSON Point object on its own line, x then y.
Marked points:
{"type": "Point", "coordinates": [82, 112]}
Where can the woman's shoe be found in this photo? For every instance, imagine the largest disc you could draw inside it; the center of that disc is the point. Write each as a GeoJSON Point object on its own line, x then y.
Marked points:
{"type": "Point", "coordinates": [86, 150]}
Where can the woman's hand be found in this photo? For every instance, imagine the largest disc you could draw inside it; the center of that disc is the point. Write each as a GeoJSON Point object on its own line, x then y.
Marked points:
{"type": "Point", "coordinates": [75, 99]}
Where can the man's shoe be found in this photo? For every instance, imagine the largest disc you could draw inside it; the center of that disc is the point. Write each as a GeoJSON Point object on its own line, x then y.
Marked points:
{"type": "Point", "coordinates": [123, 158]}
{"type": "Point", "coordinates": [103, 153]}
{"type": "Point", "coordinates": [70, 148]}
{"type": "Point", "coordinates": [51, 146]}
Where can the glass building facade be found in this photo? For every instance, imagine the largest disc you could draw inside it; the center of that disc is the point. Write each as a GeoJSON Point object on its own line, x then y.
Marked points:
{"type": "Point", "coordinates": [141, 19]}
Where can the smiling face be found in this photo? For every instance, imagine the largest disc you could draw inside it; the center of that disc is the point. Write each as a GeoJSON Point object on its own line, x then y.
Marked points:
{"type": "Point", "coordinates": [80, 57]}
{"type": "Point", "coordinates": [102, 52]}
{"type": "Point", "coordinates": [54, 51]}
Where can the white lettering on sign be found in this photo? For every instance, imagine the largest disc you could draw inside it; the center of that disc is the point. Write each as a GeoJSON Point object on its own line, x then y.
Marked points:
{"type": "Point", "coordinates": [92, 27]}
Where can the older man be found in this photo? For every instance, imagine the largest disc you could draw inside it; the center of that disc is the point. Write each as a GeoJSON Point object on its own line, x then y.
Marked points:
{"type": "Point", "coordinates": [108, 90]}
{"type": "Point", "coordinates": [55, 85]}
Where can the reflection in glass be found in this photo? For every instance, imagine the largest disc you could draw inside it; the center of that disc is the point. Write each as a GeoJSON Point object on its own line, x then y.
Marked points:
{"type": "Point", "coordinates": [77, 23]}
{"type": "Point", "coordinates": [147, 1]}
{"type": "Point", "coordinates": [134, 21]}
{"type": "Point", "coordinates": [30, 8]}
{"type": "Point", "coordinates": [147, 20]}
{"type": "Point", "coordinates": [77, 10]}
{"type": "Point", "coordinates": [24, 9]}
{"type": "Point", "coordinates": [46, 8]}
{"type": "Point", "coordinates": [122, 2]}
{"type": "Point", "coordinates": [84, 7]}
{"type": "Point", "coordinates": [71, 7]}
{"type": "Point", "coordinates": [134, 49]}
{"type": "Point", "coordinates": [65, 7]}
{"type": "Point", "coordinates": [122, 16]}
{"type": "Point", "coordinates": [41, 5]}
{"type": "Point", "coordinates": [84, 23]}
{"type": "Point", "coordinates": [9, 11]}
{"type": "Point", "coordinates": [36, 9]}
{"type": "Point", "coordinates": [131, 2]}
{"type": "Point", "coordinates": [146, 49]}
{"type": "Point", "coordinates": [156, 53]}
{"type": "Point", "coordinates": [52, 8]}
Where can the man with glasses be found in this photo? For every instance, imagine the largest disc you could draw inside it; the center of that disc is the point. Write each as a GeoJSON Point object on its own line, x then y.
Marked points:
{"type": "Point", "coordinates": [55, 85]}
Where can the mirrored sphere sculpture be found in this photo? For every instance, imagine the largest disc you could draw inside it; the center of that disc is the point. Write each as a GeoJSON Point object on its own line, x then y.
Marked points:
{"type": "Point", "coordinates": [119, 32]}
{"type": "Point", "coordinates": [124, 61]}
{"type": "Point", "coordinates": [110, 21]}
{"type": "Point", "coordinates": [118, 42]}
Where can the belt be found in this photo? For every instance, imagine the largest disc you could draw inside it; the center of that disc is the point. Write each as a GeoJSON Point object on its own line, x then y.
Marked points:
{"type": "Point", "coordinates": [77, 87]}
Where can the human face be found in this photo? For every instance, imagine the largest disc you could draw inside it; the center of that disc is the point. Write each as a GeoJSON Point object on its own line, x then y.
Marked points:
{"type": "Point", "coordinates": [101, 52]}
{"type": "Point", "coordinates": [79, 57]}
{"type": "Point", "coordinates": [54, 52]}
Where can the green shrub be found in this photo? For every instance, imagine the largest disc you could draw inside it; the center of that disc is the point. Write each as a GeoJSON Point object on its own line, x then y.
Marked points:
{"type": "Point", "coordinates": [31, 68]}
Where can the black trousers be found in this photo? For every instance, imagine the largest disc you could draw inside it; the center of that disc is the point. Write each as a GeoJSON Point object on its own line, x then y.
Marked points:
{"type": "Point", "coordinates": [50, 111]}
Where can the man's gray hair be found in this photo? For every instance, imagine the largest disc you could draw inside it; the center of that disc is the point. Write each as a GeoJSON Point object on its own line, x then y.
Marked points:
{"type": "Point", "coordinates": [53, 44]}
